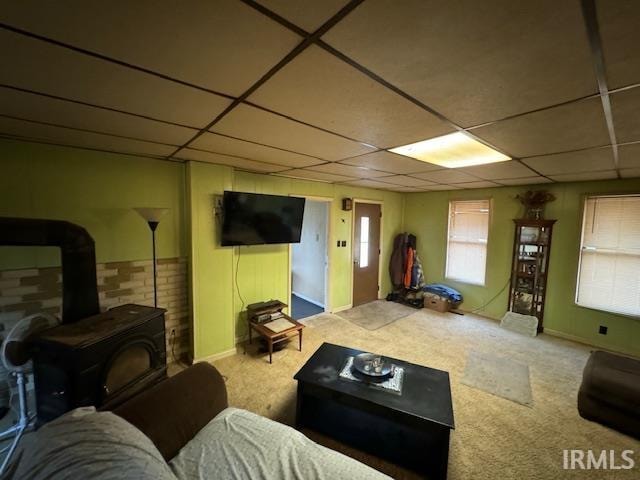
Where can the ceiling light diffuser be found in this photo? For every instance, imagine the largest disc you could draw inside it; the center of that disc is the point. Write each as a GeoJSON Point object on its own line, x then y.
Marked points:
{"type": "Point", "coordinates": [451, 151]}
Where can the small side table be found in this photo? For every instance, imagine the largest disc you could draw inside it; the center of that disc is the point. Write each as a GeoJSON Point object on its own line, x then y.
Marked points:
{"type": "Point", "coordinates": [272, 337]}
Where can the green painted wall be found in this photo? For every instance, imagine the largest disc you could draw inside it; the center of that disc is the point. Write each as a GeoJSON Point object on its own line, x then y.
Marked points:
{"type": "Point", "coordinates": [426, 216]}
{"type": "Point", "coordinates": [264, 270]}
{"type": "Point", "coordinates": [210, 265]}
{"type": "Point", "coordinates": [96, 190]}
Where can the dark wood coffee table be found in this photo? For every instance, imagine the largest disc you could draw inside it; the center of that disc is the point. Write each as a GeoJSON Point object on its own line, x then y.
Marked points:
{"type": "Point", "coordinates": [410, 429]}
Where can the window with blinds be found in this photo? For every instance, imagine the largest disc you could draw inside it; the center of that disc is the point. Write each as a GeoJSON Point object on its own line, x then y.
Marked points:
{"type": "Point", "coordinates": [609, 271]}
{"type": "Point", "coordinates": [467, 241]}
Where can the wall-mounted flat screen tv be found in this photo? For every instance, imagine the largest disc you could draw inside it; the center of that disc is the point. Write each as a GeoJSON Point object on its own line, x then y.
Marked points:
{"type": "Point", "coordinates": [255, 219]}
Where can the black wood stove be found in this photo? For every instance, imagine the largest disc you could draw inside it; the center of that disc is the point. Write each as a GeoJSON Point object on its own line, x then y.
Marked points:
{"type": "Point", "coordinates": [100, 360]}
{"type": "Point", "coordinates": [92, 358]}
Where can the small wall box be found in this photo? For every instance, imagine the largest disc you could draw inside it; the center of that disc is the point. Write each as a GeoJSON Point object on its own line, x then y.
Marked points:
{"type": "Point", "coordinates": [347, 204]}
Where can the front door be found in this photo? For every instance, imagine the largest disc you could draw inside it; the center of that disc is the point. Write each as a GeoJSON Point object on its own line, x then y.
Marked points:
{"type": "Point", "coordinates": [366, 253]}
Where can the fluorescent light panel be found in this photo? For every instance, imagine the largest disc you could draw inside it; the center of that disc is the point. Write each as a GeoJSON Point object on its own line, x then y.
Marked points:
{"type": "Point", "coordinates": [451, 151]}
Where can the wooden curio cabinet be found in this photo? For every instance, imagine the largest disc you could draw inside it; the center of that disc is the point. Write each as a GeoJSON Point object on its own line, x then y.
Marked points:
{"type": "Point", "coordinates": [531, 249]}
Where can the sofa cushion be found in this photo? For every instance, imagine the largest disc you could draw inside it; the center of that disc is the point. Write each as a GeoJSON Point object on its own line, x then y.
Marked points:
{"type": "Point", "coordinates": [613, 379]}
{"type": "Point", "coordinates": [88, 444]}
{"type": "Point", "coordinates": [242, 445]}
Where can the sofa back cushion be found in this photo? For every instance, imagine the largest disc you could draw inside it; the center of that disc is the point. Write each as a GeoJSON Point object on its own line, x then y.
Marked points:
{"type": "Point", "coordinates": [171, 412]}
{"type": "Point", "coordinates": [88, 444]}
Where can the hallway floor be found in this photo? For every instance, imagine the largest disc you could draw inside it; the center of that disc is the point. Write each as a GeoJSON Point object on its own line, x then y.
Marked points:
{"type": "Point", "coordinates": [302, 309]}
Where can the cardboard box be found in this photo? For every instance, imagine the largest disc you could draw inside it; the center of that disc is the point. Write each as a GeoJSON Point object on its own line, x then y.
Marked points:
{"type": "Point", "coordinates": [437, 303]}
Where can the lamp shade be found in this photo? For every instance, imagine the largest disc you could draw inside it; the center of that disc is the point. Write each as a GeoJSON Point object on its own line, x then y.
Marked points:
{"type": "Point", "coordinates": [151, 214]}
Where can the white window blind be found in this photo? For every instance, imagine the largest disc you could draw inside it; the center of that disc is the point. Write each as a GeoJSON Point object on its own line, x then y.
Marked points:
{"type": "Point", "coordinates": [609, 273]}
{"type": "Point", "coordinates": [467, 241]}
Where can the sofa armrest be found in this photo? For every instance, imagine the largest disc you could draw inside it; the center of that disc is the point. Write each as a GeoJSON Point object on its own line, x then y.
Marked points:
{"type": "Point", "coordinates": [172, 412]}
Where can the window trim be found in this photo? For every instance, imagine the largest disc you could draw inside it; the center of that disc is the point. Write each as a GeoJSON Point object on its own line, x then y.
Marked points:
{"type": "Point", "coordinates": [446, 251]}
{"type": "Point", "coordinates": [585, 198]}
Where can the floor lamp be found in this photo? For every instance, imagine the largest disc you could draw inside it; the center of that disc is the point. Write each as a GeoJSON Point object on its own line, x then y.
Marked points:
{"type": "Point", "coordinates": [152, 216]}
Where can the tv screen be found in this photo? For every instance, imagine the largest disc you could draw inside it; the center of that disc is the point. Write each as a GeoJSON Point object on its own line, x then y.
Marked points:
{"type": "Point", "coordinates": [255, 219]}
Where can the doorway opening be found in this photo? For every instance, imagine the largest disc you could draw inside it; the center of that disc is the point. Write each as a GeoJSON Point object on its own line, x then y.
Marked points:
{"type": "Point", "coordinates": [309, 262]}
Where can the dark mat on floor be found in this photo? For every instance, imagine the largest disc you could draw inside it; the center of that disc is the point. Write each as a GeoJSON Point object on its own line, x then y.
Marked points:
{"type": "Point", "coordinates": [302, 309]}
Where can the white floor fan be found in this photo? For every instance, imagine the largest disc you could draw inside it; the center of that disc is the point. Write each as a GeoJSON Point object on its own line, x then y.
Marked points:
{"type": "Point", "coordinates": [17, 360]}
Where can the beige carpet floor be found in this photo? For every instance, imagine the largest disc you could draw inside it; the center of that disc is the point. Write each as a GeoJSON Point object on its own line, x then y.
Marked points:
{"type": "Point", "coordinates": [494, 438]}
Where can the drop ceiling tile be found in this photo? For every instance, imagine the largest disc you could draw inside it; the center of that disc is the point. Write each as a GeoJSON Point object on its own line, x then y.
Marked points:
{"type": "Point", "coordinates": [618, 22]}
{"type": "Point", "coordinates": [497, 171]}
{"type": "Point", "coordinates": [481, 184]}
{"type": "Point", "coordinates": [322, 90]}
{"type": "Point", "coordinates": [391, 162]}
{"type": "Point", "coordinates": [256, 125]}
{"type": "Point", "coordinates": [50, 110]}
{"type": "Point", "coordinates": [568, 127]}
{"type": "Point", "coordinates": [595, 159]}
{"type": "Point", "coordinates": [306, 14]}
{"type": "Point", "coordinates": [311, 175]}
{"type": "Point", "coordinates": [625, 108]}
{"type": "Point", "coordinates": [77, 138]}
{"type": "Point", "coordinates": [629, 156]}
{"type": "Point", "coordinates": [223, 45]}
{"type": "Point", "coordinates": [585, 176]}
{"type": "Point", "coordinates": [474, 62]}
{"type": "Point", "coordinates": [630, 173]}
{"type": "Point", "coordinates": [236, 162]}
{"type": "Point", "coordinates": [406, 181]}
{"type": "Point", "coordinates": [439, 188]}
{"type": "Point", "coordinates": [371, 184]}
{"type": "Point", "coordinates": [409, 189]}
{"type": "Point", "coordinates": [349, 170]}
{"type": "Point", "coordinates": [525, 181]}
{"type": "Point", "coordinates": [231, 146]}
{"type": "Point", "coordinates": [46, 68]}
{"type": "Point", "coordinates": [447, 175]}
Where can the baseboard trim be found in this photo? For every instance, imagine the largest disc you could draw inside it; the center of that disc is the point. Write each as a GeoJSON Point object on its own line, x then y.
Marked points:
{"type": "Point", "coordinates": [342, 308]}
{"type": "Point", "coordinates": [217, 356]}
{"type": "Point", "coordinates": [584, 341]}
{"type": "Point", "coordinates": [307, 299]}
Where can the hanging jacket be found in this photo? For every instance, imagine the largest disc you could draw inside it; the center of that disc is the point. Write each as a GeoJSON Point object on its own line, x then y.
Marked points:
{"type": "Point", "coordinates": [398, 261]}
{"type": "Point", "coordinates": [407, 274]}
{"type": "Point", "coordinates": [417, 275]}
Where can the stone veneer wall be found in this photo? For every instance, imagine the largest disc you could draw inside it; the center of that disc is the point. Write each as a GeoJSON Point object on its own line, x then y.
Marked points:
{"type": "Point", "coordinates": [27, 291]}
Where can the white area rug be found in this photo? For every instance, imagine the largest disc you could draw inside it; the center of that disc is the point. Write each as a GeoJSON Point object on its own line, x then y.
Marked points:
{"type": "Point", "coordinates": [500, 376]}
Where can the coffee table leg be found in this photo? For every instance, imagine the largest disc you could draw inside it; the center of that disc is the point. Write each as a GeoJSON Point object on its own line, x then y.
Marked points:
{"type": "Point", "coordinates": [300, 333]}
{"type": "Point", "coordinates": [444, 456]}
{"type": "Point", "coordinates": [270, 342]}
{"type": "Point", "coordinates": [249, 334]}
{"type": "Point", "coordinates": [298, 406]}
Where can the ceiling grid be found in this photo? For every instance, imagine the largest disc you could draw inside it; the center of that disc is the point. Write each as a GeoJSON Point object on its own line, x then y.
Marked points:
{"type": "Point", "coordinates": [336, 124]}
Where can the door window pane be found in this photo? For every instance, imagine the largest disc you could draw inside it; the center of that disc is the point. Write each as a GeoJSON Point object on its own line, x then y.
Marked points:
{"type": "Point", "coordinates": [364, 242]}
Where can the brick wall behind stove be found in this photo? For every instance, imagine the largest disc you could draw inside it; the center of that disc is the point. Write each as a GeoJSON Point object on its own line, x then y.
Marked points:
{"type": "Point", "coordinates": [34, 290]}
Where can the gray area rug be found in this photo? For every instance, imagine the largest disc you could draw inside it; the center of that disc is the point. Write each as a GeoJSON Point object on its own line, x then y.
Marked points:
{"type": "Point", "coordinates": [377, 314]}
{"type": "Point", "coordinates": [319, 320]}
{"type": "Point", "coordinates": [499, 376]}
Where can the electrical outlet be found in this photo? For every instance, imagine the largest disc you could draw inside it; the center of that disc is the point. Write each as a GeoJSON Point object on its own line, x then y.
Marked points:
{"type": "Point", "coordinates": [603, 330]}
